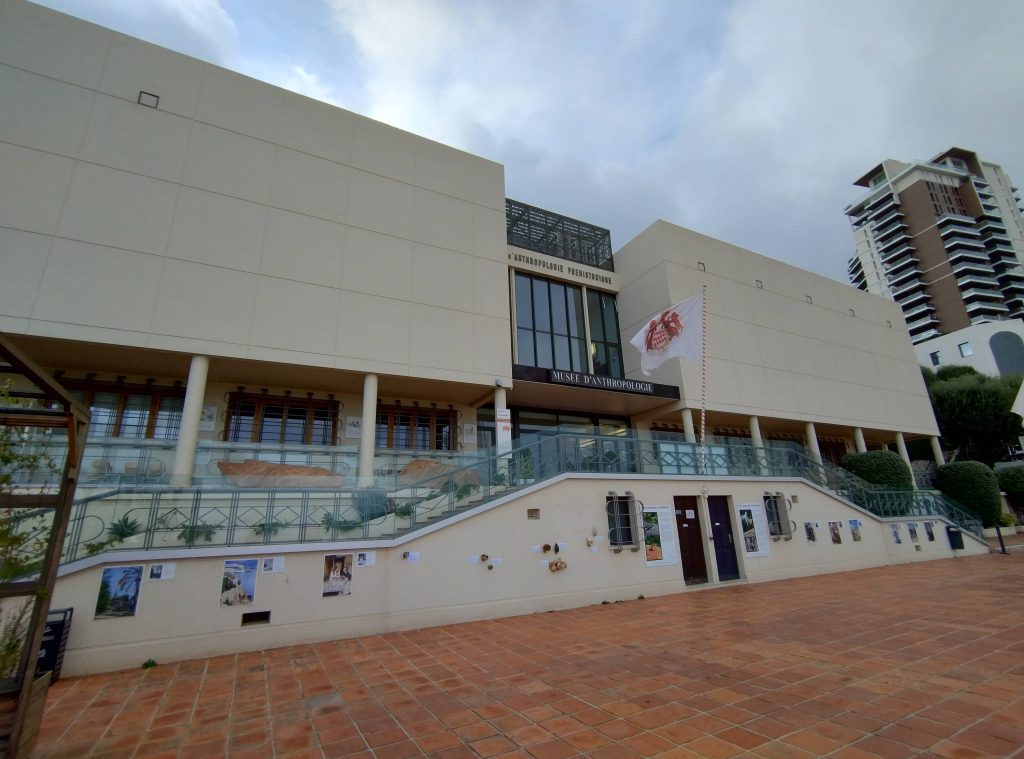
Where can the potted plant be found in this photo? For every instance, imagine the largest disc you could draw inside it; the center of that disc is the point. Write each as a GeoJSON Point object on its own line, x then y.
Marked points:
{"type": "Point", "coordinates": [193, 533]}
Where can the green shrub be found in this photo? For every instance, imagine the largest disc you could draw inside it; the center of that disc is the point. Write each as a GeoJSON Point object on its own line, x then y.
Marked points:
{"type": "Point", "coordinates": [973, 485]}
{"type": "Point", "coordinates": [1011, 482]}
{"type": "Point", "coordinates": [1007, 520]}
{"type": "Point", "coordinates": [883, 468]}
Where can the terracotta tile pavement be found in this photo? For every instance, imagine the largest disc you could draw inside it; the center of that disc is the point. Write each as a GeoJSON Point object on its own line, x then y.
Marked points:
{"type": "Point", "coordinates": [916, 660]}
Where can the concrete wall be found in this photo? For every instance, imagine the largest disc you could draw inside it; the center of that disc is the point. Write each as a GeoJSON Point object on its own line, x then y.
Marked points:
{"type": "Point", "coordinates": [977, 337]}
{"type": "Point", "coordinates": [786, 348]}
{"type": "Point", "coordinates": [182, 618]}
{"type": "Point", "coordinates": [236, 218]}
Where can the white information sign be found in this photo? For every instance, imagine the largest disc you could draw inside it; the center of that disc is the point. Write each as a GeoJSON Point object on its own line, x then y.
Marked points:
{"type": "Point", "coordinates": [660, 542]}
{"type": "Point", "coordinates": [754, 528]}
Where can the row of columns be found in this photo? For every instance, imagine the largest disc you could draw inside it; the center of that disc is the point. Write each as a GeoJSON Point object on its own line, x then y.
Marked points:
{"type": "Point", "coordinates": [195, 392]}
{"type": "Point", "coordinates": [811, 439]}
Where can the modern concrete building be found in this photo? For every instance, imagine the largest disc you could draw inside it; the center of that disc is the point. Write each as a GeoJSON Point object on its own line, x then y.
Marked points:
{"type": "Point", "coordinates": [993, 348]}
{"type": "Point", "coordinates": [340, 384]}
{"type": "Point", "coordinates": [943, 238]}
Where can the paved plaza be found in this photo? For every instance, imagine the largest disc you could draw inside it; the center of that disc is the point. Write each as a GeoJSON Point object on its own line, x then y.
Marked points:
{"type": "Point", "coordinates": [912, 660]}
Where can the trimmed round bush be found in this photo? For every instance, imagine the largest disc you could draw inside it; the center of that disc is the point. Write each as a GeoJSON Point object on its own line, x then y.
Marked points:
{"type": "Point", "coordinates": [880, 468]}
{"type": "Point", "coordinates": [974, 486]}
{"type": "Point", "coordinates": [1011, 482]}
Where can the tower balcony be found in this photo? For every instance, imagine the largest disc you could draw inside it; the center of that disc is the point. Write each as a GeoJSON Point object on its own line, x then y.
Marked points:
{"type": "Point", "coordinates": [892, 267]}
{"type": "Point", "coordinates": [987, 308]}
{"type": "Point", "coordinates": [918, 312]}
{"type": "Point", "coordinates": [893, 243]}
{"type": "Point", "coordinates": [907, 275]}
{"type": "Point", "coordinates": [968, 254]}
{"type": "Point", "coordinates": [913, 297]}
{"type": "Point", "coordinates": [977, 280]}
{"type": "Point", "coordinates": [953, 243]}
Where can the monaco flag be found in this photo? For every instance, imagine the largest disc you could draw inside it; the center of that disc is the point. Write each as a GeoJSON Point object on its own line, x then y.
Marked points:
{"type": "Point", "coordinates": [676, 332]}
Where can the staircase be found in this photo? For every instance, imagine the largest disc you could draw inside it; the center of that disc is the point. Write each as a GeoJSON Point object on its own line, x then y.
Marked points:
{"type": "Point", "coordinates": [161, 517]}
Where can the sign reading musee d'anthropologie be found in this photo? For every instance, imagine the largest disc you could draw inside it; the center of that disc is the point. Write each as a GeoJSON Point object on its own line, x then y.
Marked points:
{"type": "Point", "coordinates": [579, 379]}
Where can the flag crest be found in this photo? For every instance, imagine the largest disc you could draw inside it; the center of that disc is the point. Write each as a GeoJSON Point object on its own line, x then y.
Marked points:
{"type": "Point", "coordinates": [676, 332]}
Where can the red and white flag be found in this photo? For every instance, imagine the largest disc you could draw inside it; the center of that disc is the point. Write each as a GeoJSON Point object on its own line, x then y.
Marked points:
{"type": "Point", "coordinates": [676, 332]}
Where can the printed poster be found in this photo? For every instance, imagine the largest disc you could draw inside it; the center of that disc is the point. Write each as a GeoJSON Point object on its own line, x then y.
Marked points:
{"type": "Point", "coordinates": [833, 530]}
{"type": "Point", "coordinates": [896, 534]}
{"type": "Point", "coordinates": [659, 536]}
{"type": "Point", "coordinates": [119, 592]}
{"type": "Point", "coordinates": [273, 565]}
{"type": "Point", "coordinates": [754, 526]}
{"type": "Point", "coordinates": [809, 532]}
{"type": "Point", "coordinates": [337, 574]}
{"type": "Point", "coordinates": [163, 571]}
{"type": "Point", "coordinates": [238, 583]}
{"type": "Point", "coordinates": [855, 530]}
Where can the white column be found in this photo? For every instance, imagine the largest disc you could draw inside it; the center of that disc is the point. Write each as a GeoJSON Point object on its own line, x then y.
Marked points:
{"type": "Point", "coordinates": [812, 442]}
{"type": "Point", "coordinates": [368, 431]}
{"type": "Point", "coordinates": [858, 439]}
{"type": "Point", "coordinates": [188, 432]}
{"type": "Point", "coordinates": [755, 432]}
{"type": "Point", "coordinates": [502, 422]}
{"type": "Point", "coordinates": [755, 438]}
{"type": "Point", "coordinates": [688, 431]}
{"type": "Point", "coordinates": [937, 452]}
{"type": "Point", "coordinates": [901, 448]}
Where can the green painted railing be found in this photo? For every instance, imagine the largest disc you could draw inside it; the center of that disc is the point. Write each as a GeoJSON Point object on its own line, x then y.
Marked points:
{"type": "Point", "coordinates": [217, 514]}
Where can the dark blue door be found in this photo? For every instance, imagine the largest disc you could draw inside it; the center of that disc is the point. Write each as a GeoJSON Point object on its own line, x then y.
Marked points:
{"type": "Point", "coordinates": [721, 534]}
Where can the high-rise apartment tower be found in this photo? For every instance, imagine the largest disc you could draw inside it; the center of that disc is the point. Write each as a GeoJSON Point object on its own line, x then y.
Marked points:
{"type": "Point", "coordinates": [943, 238]}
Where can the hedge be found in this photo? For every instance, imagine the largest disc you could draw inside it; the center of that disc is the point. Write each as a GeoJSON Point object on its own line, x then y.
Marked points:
{"type": "Point", "coordinates": [880, 468]}
{"type": "Point", "coordinates": [973, 485]}
{"type": "Point", "coordinates": [1011, 481]}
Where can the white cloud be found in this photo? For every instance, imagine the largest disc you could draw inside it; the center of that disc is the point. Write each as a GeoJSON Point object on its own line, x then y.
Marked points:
{"type": "Point", "coordinates": [745, 120]}
{"type": "Point", "coordinates": [201, 28]}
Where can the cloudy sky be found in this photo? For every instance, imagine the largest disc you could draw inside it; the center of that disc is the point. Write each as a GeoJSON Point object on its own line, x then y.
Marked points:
{"type": "Point", "coordinates": [746, 120]}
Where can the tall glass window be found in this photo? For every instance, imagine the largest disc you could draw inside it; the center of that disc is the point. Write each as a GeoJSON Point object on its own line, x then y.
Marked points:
{"type": "Point", "coordinates": [549, 324]}
{"type": "Point", "coordinates": [130, 411]}
{"type": "Point", "coordinates": [270, 419]}
{"type": "Point", "coordinates": [605, 348]}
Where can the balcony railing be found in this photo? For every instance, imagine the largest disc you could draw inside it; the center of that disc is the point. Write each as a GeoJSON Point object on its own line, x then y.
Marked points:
{"type": "Point", "coordinates": [163, 517]}
{"type": "Point", "coordinates": [545, 232]}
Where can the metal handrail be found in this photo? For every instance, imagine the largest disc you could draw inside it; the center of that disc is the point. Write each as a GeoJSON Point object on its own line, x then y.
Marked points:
{"type": "Point", "coordinates": [211, 514]}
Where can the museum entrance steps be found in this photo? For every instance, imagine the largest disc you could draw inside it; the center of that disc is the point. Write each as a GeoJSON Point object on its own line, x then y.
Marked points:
{"type": "Point", "coordinates": [161, 517]}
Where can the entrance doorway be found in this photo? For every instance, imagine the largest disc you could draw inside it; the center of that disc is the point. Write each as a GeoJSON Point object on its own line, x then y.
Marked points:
{"type": "Point", "coordinates": [691, 540]}
{"type": "Point", "coordinates": [721, 533]}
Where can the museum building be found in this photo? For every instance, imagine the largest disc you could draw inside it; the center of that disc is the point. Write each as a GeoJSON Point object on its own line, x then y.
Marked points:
{"type": "Point", "coordinates": [340, 384]}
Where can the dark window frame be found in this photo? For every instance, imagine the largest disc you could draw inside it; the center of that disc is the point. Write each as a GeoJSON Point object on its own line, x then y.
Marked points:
{"type": "Point", "coordinates": [544, 338]}
{"type": "Point", "coordinates": [87, 390]}
{"type": "Point", "coordinates": [329, 410]}
{"type": "Point", "coordinates": [387, 421]}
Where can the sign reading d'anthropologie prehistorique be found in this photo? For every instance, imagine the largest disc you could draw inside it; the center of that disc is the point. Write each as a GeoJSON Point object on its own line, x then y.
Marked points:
{"type": "Point", "coordinates": [580, 379]}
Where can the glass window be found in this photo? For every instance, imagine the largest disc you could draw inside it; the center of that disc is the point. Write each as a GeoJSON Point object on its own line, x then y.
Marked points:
{"type": "Point", "coordinates": [273, 419]}
{"type": "Point", "coordinates": [415, 428]}
{"type": "Point", "coordinates": [934, 356]}
{"type": "Point", "coordinates": [966, 350]}
{"type": "Point", "coordinates": [549, 324]}
{"type": "Point", "coordinates": [130, 411]}
{"type": "Point", "coordinates": [604, 334]}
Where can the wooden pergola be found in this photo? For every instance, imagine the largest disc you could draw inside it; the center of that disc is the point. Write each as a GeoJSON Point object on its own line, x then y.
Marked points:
{"type": "Point", "coordinates": [41, 424]}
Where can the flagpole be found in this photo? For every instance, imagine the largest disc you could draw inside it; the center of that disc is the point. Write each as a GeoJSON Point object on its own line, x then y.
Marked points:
{"type": "Point", "coordinates": [703, 374]}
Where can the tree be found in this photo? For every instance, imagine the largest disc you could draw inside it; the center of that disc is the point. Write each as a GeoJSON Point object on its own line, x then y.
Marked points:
{"type": "Point", "coordinates": [974, 486]}
{"type": "Point", "coordinates": [973, 411]}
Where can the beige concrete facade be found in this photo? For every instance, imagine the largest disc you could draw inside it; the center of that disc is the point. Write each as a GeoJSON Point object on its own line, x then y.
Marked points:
{"type": "Point", "coordinates": [781, 342]}
{"type": "Point", "coordinates": [232, 243]}
{"type": "Point", "coordinates": [439, 578]}
{"type": "Point", "coordinates": [236, 219]}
